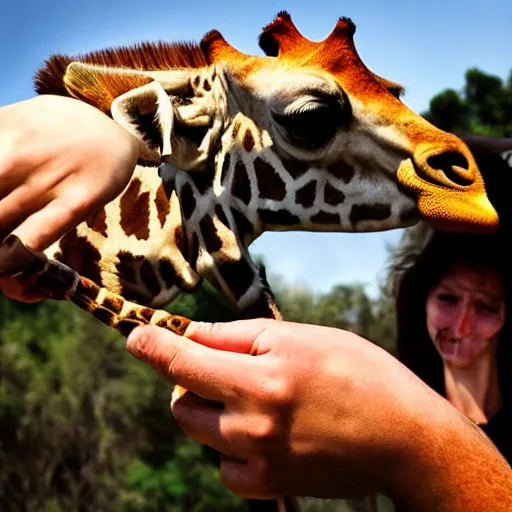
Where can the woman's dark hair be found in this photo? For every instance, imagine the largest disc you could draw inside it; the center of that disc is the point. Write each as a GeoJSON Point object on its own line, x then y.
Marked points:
{"type": "Point", "coordinates": [417, 270]}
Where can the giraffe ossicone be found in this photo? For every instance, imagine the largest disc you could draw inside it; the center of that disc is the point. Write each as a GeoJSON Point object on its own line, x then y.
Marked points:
{"type": "Point", "coordinates": [232, 145]}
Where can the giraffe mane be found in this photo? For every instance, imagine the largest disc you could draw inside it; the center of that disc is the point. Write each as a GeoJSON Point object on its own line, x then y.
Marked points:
{"type": "Point", "coordinates": [142, 56]}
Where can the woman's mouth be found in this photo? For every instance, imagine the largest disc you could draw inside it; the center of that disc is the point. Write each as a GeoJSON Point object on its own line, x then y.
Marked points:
{"type": "Point", "coordinates": [458, 350]}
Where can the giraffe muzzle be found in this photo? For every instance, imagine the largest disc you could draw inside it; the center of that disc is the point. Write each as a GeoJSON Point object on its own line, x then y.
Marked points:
{"type": "Point", "coordinates": [449, 192]}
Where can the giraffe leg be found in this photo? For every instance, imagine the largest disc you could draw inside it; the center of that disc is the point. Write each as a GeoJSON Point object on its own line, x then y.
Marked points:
{"type": "Point", "coordinates": [55, 280]}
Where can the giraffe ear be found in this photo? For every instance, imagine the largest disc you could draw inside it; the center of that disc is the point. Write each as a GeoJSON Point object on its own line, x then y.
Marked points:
{"type": "Point", "coordinates": [147, 113]}
{"type": "Point", "coordinates": [142, 102]}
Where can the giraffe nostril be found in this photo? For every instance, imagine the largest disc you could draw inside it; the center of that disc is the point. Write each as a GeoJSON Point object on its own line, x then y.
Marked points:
{"type": "Point", "coordinates": [454, 166]}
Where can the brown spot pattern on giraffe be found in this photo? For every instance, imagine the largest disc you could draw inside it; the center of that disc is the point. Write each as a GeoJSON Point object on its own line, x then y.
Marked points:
{"type": "Point", "coordinates": [243, 225]}
{"type": "Point", "coordinates": [135, 211]}
{"type": "Point", "coordinates": [248, 141]}
{"type": "Point", "coordinates": [236, 129]}
{"type": "Point", "coordinates": [98, 222]}
{"type": "Point", "coordinates": [113, 303]}
{"type": "Point", "coordinates": [127, 266]}
{"type": "Point", "coordinates": [104, 316]}
{"type": "Point", "coordinates": [211, 239]}
{"type": "Point", "coordinates": [278, 218]}
{"type": "Point", "coordinates": [188, 202]}
{"type": "Point", "coordinates": [133, 293]}
{"type": "Point", "coordinates": [149, 277]}
{"type": "Point", "coordinates": [241, 184]}
{"type": "Point", "coordinates": [87, 289]}
{"type": "Point", "coordinates": [270, 184]}
{"type": "Point", "coordinates": [362, 212]}
{"type": "Point", "coordinates": [296, 168]}
{"type": "Point", "coordinates": [127, 270]}
{"type": "Point", "coordinates": [305, 196]}
{"type": "Point", "coordinates": [332, 195]}
{"type": "Point", "coordinates": [326, 218]}
{"type": "Point", "coordinates": [167, 273]}
{"type": "Point", "coordinates": [86, 294]}
{"type": "Point", "coordinates": [238, 276]}
{"type": "Point", "coordinates": [342, 170]}
{"type": "Point", "coordinates": [163, 204]}
{"type": "Point", "coordinates": [125, 327]}
{"type": "Point", "coordinates": [144, 314]}
{"type": "Point", "coordinates": [79, 254]}
{"type": "Point", "coordinates": [179, 240]}
{"type": "Point", "coordinates": [203, 180]}
{"type": "Point", "coordinates": [206, 85]}
{"type": "Point", "coordinates": [221, 215]}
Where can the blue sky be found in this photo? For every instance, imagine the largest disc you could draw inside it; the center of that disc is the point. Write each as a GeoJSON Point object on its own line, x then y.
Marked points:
{"type": "Point", "coordinates": [426, 46]}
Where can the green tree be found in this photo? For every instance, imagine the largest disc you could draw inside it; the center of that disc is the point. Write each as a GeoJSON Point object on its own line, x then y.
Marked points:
{"type": "Point", "coordinates": [86, 427]}
{"type": "Point", "coordinates": [484, 106]}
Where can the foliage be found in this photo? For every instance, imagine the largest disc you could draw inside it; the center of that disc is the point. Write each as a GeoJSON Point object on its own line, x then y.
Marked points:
{"type": "Point", "coordinates": [345, 306]}
{"type": "Point", "coordinates": [85, 427]}
{"type": "Point", "coordinates": [483, 107]}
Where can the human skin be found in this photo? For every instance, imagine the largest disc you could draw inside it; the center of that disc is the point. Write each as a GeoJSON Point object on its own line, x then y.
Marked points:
{"type": "Point", "coordinates": [305, 410]}
{"type": "Point", "coordinates": [316, 411]}
{"type": "Point", "coordinates": [60, 160]}
{"type": "Point", "coordinates": [465, 313]}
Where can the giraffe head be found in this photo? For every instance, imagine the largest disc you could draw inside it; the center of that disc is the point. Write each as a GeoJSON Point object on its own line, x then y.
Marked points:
{"type": "Point", "coordinates": [325, 109]}
{"type": "Point", "coordinates": [342, 148]}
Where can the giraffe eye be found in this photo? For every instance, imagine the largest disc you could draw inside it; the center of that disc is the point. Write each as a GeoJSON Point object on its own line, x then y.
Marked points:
{"type": "Point", "coordinates": [314, 126]}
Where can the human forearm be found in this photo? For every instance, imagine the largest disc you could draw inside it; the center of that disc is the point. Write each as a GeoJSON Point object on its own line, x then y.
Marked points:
{"type": "Point", "coordinates": [450, 466]}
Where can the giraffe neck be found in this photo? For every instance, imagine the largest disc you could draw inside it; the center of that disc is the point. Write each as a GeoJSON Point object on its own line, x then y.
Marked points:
{"type": "Point", "coordinates": [268, 193]}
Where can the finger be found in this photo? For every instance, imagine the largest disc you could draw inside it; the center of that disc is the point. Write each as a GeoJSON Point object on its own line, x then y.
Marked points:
{"type": "Point", "coordinates": [13, 163]}
{"type": "Point", "coordinates": [201, 420]}
{"type": "Point", "coordinates": [211, 374]}
{"type": "Point", "coordinates": [19, 205]}
{"type": "Point", "coordinates": [246, 477]}
{"type": "Point", "coordinates": [50, 223]}
{"type": "Point", "coordinates": [232, 336]}
{"type": "Point", "coordinates": [17, 290]}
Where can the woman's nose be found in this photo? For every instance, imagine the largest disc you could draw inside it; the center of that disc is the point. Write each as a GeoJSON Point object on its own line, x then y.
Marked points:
{"type": "Point", "coordinates": [464, 321]}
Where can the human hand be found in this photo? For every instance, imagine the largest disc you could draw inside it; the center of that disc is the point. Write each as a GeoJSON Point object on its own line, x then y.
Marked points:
{"type": "Point", "coordinates": [60, 160]}
{"type": "Point", "coordinates": [304, 410]}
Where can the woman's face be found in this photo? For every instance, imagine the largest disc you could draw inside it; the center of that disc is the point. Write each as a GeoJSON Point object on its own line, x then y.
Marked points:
{"type": "Point", "coordinates": [465, 313]}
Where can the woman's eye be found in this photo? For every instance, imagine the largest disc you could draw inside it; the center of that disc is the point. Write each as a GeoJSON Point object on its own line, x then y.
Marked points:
{"type": "Point", "coordinates": [314, 127]}
{"type": "Point", "coordinates": [487, 308]}
{"type": "Point", "coordinates": [447, 298]}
